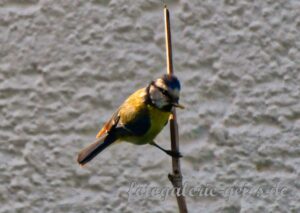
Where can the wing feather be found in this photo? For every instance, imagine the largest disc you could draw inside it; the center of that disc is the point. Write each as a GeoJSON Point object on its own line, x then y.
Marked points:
{"type": "Point", "coordinates": [133, 113]}
{"type": "Point", "coordinates": [109, 125]}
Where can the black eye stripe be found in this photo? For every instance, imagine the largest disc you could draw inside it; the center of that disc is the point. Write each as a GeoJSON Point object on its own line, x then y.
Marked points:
{"type": "Point", "coordinates": [163, 91]}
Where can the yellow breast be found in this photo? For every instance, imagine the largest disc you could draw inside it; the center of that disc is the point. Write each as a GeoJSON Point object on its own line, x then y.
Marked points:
{"type": "Point", "coordinates": [159, 119]}
{"type": "Point", "coordinates": [130, 110]}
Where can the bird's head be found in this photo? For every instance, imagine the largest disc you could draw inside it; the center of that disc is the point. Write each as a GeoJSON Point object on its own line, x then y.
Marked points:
{"type": "Point", "coordinates": [164, 92]}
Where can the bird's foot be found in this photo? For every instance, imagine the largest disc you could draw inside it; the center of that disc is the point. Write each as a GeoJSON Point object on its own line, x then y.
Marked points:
{"type": "Point", "coordinates": [174, 154]}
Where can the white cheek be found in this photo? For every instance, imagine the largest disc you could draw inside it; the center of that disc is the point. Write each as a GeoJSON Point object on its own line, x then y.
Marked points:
{"type": "Point", "coordinates": [161, 103]}
{"type": "Point", "coordinates": [158, 99]}
{"type": "Point", "coordinates": [157, 96]}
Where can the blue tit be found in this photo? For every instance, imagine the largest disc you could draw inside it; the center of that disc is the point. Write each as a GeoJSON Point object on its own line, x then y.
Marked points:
{"type": "Point", "coordinates": [139, 119]}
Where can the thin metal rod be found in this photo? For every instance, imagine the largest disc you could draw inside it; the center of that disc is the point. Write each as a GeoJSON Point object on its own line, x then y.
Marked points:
{"type": "Point", "coordinates": [168, 42]}
{"type": "Point", "coordinates": [176, 177]}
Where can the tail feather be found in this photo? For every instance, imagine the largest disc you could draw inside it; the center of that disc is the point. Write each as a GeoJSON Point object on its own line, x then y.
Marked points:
{"type": "Point", "coordinates": [89, 152]}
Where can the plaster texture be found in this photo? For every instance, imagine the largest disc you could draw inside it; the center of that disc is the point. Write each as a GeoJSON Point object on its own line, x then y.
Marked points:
{"type": "Point", "coordinates": [66, 65]}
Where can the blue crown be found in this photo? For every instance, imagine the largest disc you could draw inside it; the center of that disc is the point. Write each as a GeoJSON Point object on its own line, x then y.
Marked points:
{"type": "Point", "coordinates": [171, 81]}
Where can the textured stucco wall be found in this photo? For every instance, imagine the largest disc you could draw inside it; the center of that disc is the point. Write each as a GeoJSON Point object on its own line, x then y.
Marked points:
{"type": "Point", "coordinates": [66, 65]}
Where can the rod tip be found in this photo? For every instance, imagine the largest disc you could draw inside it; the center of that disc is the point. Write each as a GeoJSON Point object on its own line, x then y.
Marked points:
{"type": "Point", "coordinates": [164, 3]}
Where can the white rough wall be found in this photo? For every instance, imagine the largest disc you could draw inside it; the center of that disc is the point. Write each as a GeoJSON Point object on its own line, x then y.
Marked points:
{"type": "Point", "coordinates": [66, 65]}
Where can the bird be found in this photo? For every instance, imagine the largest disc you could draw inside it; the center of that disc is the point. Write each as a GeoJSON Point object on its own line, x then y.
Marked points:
{"type": "Point", "coordinates": [139, 119]}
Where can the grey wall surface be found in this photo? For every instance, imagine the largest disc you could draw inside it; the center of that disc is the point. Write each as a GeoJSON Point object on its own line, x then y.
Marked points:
{"type": "Point", "coordinates": [65, 66]}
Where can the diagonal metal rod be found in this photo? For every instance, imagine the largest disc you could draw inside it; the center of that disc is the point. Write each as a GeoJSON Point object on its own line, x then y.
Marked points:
{"type": "Point", "coordinates": [176, 177]}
